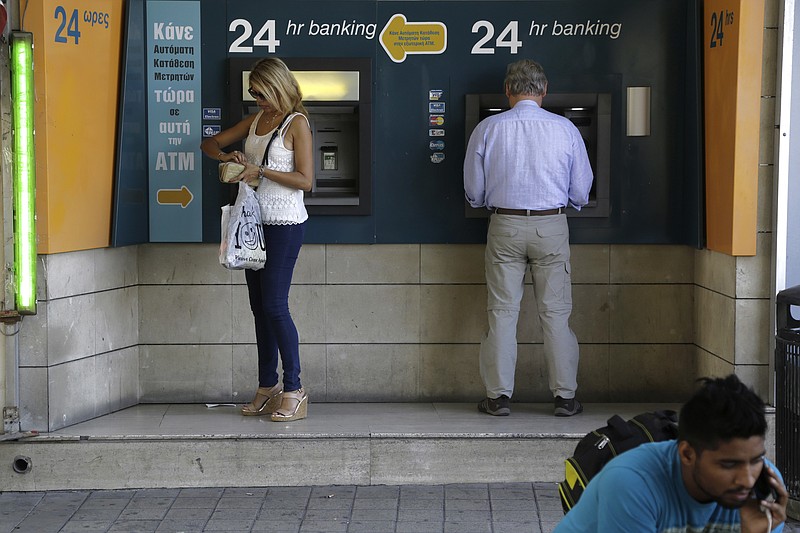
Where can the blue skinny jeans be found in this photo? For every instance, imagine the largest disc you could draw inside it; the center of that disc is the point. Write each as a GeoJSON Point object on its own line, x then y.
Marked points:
{"type": "Point", "coordinates": [268, 289]}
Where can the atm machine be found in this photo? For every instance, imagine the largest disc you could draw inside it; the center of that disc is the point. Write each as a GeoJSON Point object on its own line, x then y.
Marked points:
{"type": "Point", "coordinates": [337, 93]}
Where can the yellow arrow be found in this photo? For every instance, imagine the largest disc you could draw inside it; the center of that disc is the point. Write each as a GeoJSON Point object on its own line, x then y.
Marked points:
{"type": "Point", "coordinates": [400, 37]}
{"type": "Point", "coordinates": [182, 196]}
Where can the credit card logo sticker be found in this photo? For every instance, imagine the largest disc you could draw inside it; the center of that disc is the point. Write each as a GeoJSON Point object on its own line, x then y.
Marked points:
{"type": "Point", "coordinates": [435, 107]}
{"type": "Point", "coordinates": [209, 130]}
{"type": "Point", "coordinates": [435, 94]}
{"type": "Point", "coordinates": [436, 120]}
{"type": "Point", "coordinates": [437, 157]}
{"type": "Point", "coordinates": [212, 113]}
{"type": "Point", "coordinates": [437, 145]}
{"type": "Point", "coordinates": [436, 132]}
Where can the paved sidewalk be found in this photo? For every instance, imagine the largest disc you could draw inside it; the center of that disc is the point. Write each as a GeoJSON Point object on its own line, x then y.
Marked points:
{"type": "Point", "coordinates": [461, 508]}
{"type": "Point", "coordinates": [467, 508]}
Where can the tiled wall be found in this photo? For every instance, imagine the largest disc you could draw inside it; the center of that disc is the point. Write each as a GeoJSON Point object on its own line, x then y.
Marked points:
{"type": "Point", "coordinates": [733, 307]}
{"type": "Point", "coordinates": [79, 355]}
{"type": "Point", "coordinates": [166, 323]}
{"type": "Point", "coordinates": [404, 323]}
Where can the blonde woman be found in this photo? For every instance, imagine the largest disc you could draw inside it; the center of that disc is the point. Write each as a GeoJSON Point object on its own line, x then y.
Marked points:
{"type": "Point", "coordinates": [281, 127]}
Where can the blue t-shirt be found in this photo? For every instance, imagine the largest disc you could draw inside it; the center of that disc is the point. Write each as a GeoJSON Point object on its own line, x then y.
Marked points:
{"type": "Point", "coordinates": [642, 491]}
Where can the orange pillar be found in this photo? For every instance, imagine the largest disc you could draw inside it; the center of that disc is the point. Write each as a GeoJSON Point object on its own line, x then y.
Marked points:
{"type": "Point", "coordinates": [733, 42]}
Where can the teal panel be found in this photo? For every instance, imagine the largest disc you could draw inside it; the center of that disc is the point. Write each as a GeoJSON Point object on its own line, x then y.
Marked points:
{"type": "Point", "coordinates": [174, 85]}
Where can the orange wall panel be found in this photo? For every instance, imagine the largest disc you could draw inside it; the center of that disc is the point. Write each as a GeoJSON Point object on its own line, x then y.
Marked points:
{"type": "Point", "coordinates": [733, 42]}
{"type": "Point", "coordinates": [76, 70]}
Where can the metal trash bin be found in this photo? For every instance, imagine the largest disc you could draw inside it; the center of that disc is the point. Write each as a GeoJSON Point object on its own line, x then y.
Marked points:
{"type": "Point", "coordinates": [787, 386]}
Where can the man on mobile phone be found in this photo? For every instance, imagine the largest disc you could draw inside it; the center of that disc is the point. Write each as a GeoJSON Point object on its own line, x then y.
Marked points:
{"type": "Point", "coordinates": [703, 481]}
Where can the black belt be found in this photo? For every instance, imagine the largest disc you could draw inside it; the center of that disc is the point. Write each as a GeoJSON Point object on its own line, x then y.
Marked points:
{"type": "Point", "coordinates": [528, 212]}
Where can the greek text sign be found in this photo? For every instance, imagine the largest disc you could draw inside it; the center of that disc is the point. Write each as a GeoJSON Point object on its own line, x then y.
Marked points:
{"type": "Point", "coordinates": [174, 132]}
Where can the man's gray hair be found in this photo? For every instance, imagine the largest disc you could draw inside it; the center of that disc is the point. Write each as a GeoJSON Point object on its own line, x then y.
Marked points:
{"type": "Point", "coordinates": [525, 77]}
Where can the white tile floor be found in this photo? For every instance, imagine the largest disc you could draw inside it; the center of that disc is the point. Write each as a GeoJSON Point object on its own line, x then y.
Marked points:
{"type": "Point", "coordinates": [350, 419]}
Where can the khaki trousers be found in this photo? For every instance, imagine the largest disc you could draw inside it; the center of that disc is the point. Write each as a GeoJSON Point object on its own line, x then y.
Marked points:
{"type": "Point", "coordinates": [541, 244]}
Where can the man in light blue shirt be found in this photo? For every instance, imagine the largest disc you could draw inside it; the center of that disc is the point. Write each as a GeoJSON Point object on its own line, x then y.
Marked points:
{"type": "Point", "coordinates": [526, 165]}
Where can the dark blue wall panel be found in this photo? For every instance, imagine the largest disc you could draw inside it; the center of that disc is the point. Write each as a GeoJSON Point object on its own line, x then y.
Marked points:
{"type": "Point", "coordinates": [655, 181]}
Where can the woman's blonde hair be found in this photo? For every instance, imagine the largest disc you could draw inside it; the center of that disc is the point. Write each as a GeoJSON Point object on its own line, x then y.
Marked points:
{"type": "Point", "coordinates": [271, 77]}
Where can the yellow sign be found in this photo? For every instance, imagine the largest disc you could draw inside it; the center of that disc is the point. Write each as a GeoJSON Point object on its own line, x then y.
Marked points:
{"type": "Point", "coordinates": [181, 197]}
{"type": "Point", "coordinates": [400, 37]}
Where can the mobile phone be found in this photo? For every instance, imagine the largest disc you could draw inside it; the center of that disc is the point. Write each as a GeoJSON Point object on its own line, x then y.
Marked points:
{"type": "Point", "coordinates": [762, 490]}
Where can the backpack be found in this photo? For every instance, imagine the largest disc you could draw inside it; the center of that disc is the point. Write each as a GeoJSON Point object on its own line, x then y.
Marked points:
{"type": "Point", "coordinates": [603, 444]}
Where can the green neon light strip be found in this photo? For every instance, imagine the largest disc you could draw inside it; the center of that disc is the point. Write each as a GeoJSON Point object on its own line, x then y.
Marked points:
{"type": "Point", "coordinates": [24, 172]}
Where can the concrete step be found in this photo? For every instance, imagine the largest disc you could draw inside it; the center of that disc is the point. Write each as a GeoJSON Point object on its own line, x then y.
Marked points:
{"type": "Point", "coordinates": [197, 445]}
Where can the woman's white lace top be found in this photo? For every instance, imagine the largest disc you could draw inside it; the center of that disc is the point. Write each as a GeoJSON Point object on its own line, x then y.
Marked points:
{"type": "Point", "coordinates": [280, 205]}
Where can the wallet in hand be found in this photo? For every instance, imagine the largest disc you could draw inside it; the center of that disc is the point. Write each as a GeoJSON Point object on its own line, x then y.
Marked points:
{"type": "Point", "coordinates": [229, 170]}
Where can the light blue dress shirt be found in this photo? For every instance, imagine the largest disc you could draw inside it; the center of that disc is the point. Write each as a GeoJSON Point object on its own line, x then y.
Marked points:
{"type": "Point", "coordinates": [527, 158]}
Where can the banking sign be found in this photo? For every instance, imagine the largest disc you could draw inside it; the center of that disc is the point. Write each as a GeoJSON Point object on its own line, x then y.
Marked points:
{"type": "Point", "coordinates": [425, 59]}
